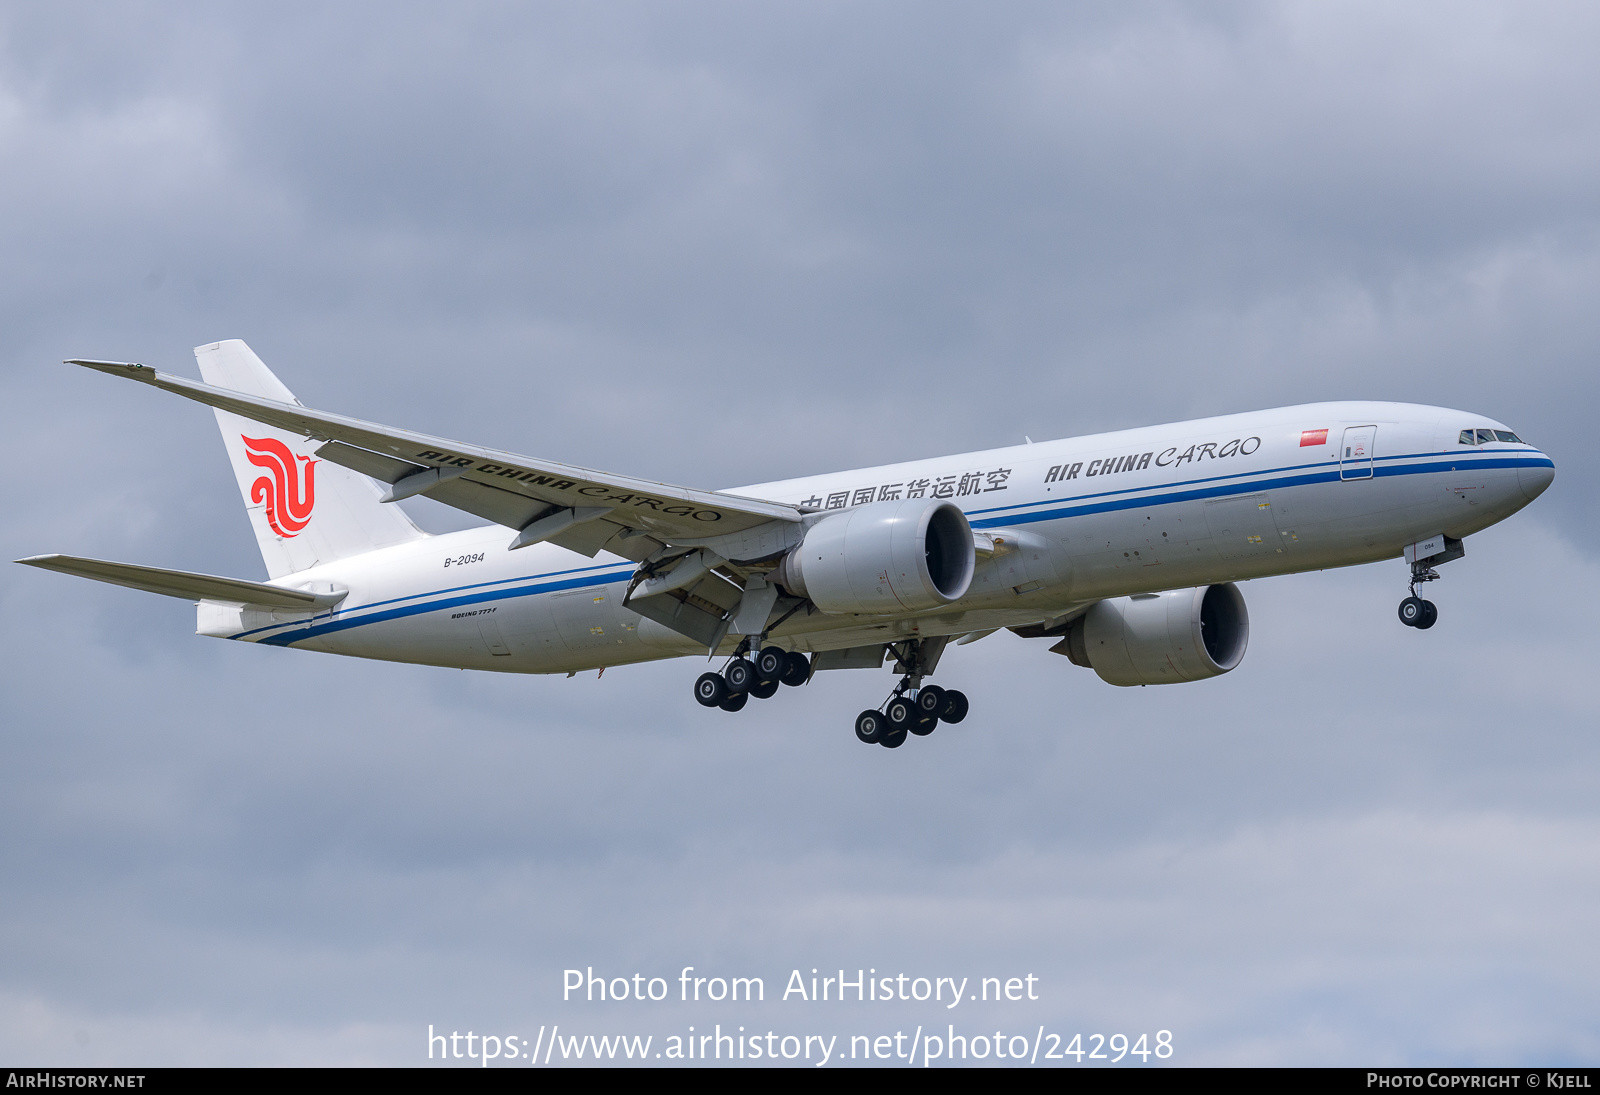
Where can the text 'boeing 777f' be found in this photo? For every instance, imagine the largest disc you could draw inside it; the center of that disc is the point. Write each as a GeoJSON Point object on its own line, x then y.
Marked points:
{"type": "Point", "coordinates": [1122, 547]}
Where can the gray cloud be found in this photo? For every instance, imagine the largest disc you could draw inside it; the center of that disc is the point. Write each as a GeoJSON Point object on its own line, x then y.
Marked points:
{"type": "Point", "coordinates": [721, 245]}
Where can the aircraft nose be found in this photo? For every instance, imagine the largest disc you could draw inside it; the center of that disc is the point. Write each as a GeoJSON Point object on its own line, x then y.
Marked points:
{"type": "Point", "coordinates": [1535, 479]}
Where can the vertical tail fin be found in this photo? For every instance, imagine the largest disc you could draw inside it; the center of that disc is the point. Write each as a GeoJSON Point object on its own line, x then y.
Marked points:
{"type": "Point", "coordinates": [304, 511]}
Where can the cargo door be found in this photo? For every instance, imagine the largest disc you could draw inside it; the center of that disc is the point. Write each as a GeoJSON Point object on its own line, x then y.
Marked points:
{"type": "Point", "coordinates": [489, 628]}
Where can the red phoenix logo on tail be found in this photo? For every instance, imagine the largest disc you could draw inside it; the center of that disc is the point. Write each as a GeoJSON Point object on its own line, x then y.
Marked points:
{"type": "Point", "coordinates": [288, 501]}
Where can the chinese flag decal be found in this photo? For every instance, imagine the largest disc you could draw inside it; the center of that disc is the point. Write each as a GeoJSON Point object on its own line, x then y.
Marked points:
{"type": "Point", "coordinates": [288, 499]}
{"type": "Point", "coordinates": [1313, 437]}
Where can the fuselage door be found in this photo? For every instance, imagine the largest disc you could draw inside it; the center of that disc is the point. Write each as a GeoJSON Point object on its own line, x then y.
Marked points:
{"type": "Point", "coordinates": [489, 628]}
{"type": "Point", "coordinates": [1355, 455]}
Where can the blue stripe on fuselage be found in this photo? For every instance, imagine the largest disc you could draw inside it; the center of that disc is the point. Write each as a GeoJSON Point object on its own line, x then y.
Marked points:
{"type": "Point", "coordinates": [1224, 486]}
{"type": "Point", "coordinates": [452, 589]}
{"type": "Point", "coordinates": [1170, 494]}
{"type": "Point", "coordinates": [294, 636]}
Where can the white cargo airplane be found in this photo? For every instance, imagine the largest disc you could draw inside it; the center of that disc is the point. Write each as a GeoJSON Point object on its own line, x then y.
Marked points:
{"type": "Point", "coordinates": [1123, 547]}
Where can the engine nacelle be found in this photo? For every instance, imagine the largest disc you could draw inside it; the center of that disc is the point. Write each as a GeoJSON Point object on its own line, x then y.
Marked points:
{"type": "Point", "coordinates": [1161, 638]}
{"type": "Point", "coordinates": [884, 558]}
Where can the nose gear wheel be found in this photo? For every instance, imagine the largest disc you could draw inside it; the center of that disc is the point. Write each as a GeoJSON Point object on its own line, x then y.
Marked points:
{"type": "Point", "coordinates": [1415, 611]}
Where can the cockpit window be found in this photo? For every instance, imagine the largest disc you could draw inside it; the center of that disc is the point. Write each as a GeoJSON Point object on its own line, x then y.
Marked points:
{"type": "Point", "coordinates": [1486, 437]}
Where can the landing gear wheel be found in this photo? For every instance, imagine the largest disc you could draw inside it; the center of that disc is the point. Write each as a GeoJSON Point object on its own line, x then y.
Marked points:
{"type": "Point", "coordinates": [900, 714]}
{"type": "Point", "coordinates": [735, 702]}
{"type": "Point", "coordinates": [770, 663]}
{"type": "Point", "coordinates": [796, 669]}
{"type": "Point", "coordinates": [955, 707]}
{"type": "Point", "coordinates": [763, 690]}
{"type": "Point", "coordinates": [710, 690]}
{"type": "Point", "coordinates": [740, 675]}
{"type": "Point", "coordinates": [871, 726]}
{"type": "Point", "coordinates": [930, 700]}
{"type": "Point", "coordinates": [1430, 616]}
{"type": "Point", "coordinates": [894, 739]}
{"type": "Point", "coordinates": [1411, 611]}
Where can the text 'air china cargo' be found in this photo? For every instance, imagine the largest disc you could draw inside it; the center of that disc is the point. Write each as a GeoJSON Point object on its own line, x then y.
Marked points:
{"type": "Point", "coordinates": [1123, 548]}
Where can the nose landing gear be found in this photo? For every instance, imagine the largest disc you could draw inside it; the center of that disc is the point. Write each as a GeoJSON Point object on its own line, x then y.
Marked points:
{"type": "Point", "coordinates": [1415, 611]}
{"type": "Point", "coordinates": [1423, 556]}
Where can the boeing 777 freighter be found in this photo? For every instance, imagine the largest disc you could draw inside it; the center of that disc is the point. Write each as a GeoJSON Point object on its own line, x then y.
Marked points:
{"type": "Point", "coordinates": [1122, 547]}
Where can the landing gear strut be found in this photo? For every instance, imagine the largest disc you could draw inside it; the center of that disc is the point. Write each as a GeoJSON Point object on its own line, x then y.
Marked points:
{"type": "Point", "coordinates": [756, 677]}
{"type": "Point", "coordinates": [912, 708]}
{"type": "Point", "coordinates": [1415, 611]}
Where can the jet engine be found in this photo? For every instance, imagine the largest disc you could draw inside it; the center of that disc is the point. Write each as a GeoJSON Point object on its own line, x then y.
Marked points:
{"type": "Point", "coordinates": [884, 558]}
{"type": "Point", "coordinates": [1161, 638]}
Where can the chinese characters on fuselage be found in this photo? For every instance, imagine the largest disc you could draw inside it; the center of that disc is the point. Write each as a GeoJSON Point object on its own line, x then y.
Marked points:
{"type": "Point", "coordinates": [943, 486]}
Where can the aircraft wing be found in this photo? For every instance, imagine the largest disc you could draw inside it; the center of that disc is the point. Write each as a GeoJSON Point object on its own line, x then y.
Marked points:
{"type": "Point", "coordinates": [578, 508]}
{"type": "Point", "coordinates": [181, 583]}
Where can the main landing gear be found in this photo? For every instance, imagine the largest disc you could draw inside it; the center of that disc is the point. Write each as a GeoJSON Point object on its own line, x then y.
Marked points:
{"type": "Point", "coordinates": [1414, 611]}
{"type": "Point", "coordinates": [913, 707]}
{"type": "Point", "coordinates": [910, 710]}
{"type": "Point", "coordinates": [744, 677]}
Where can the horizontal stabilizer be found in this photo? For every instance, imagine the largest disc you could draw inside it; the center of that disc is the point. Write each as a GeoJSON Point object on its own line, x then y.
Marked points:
{"type": "Point", "coordinates": [190, 587]}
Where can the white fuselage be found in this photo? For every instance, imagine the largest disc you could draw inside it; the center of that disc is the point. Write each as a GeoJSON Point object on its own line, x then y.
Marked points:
{"type": "Point", "coordinates": [1081, 519]}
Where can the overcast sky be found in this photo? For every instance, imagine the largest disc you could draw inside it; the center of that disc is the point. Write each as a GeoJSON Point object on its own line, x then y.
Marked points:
{"type": "Point", "coordinates": [729, 243]}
